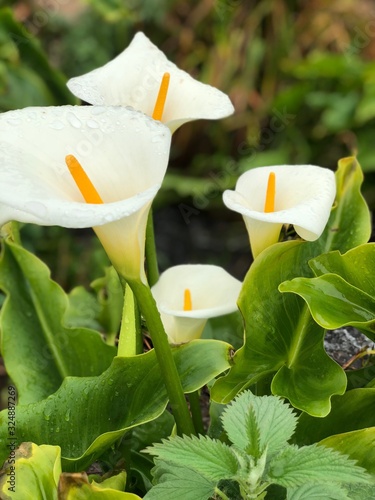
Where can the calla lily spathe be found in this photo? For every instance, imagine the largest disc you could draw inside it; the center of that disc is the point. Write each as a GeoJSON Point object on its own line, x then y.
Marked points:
{"type": "Point", "coordinates": [133, 79]}
{"type": "Point", "coordinates": [213, 292]}
{"type": "Point", "coordinates": [303, 197]}
{"type": "Point", "coordinates": [123, 152]}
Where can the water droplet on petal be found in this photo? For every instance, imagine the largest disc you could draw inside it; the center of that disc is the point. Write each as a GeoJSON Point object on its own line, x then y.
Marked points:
{"type": "Point", "coordinates": [74, 121]}
{"type": "Point", "coordinates": [92, 124]}
{"type": "Point", "coordinates": [57, 125]}
{"type": "Point", "coordinates": [14, 121]}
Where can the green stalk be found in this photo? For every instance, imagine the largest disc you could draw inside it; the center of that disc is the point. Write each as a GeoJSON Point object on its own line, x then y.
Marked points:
{"type": "Point", "coordinates": [130, 338]}
{"type": "Point", "coordinates": [150, 252]}
{"type": "Point", "coordinates": [164, 356]}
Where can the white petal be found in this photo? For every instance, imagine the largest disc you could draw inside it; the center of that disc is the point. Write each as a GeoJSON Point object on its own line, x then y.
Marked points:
{"type": "Point", "coordinates": [304, 197]}
{"type": "Point", "coordinates": [214, 292]}
{"type": "Point", "coordinates": [124, 153]}
{"type": "Point", "coordinates": [133, 79]}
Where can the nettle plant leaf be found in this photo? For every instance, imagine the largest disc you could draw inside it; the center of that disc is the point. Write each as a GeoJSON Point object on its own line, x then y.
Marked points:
{"type": "Point", "coordinates": [282, 340]}
{"type": "Point", "coordinates": [343, 292]}
{"type": "Point", "coordinates": [36, 470]}
{"type": "Point", "coordinates": [86, 415]}
{"type": "Point", "coordinates": [255, 424]}
{"type": "Point", "coordinates": [39, 351]}
{"type": "Point", "coordinates": [213, 459]}
{"type": "Point", "coordinates": [295, 467]}
{"type": "Point", "coordinates": [179, 483]}
{"type": "Point", "coordinates": [318, 492]}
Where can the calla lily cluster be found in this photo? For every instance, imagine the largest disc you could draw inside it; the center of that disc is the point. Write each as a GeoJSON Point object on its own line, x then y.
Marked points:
{"type": "Point", "coordinates": [187, 295]}
{"type": "Point", "coordinates": [133, 78]}
{"type": "Point", "coordinates": [124, 154]}
{"type": "Point", "coordinates": [269, 197]}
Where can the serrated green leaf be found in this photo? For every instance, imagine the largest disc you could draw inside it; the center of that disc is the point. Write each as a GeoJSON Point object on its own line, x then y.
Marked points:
{"type": "Point", "coordinates": [281, 340]}
{"type": "Point", "coordinates": [179, 483]}
{"type": "Point", "coordinates": [273, 419]}
{"type": "Point", "coordinates": [294, 467]}
{"type": "Point", "coordinates": [32, 472]}
{"type": "Point", "coordinates": [86, 415]}
{"type": "Point", "coordinates": [317, 492]}
{"type": "Point", "coordinates": [39, 351]}
{"type": "Point", "coordinates": [209, 457]}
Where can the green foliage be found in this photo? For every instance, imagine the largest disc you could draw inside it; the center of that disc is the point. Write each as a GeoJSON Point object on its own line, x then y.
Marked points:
{"type": "Point", "coordinates": [281, 337]}
{"type": "Point", "coordinates": [261, 458]}
{"type": "Point", "coordinates": [37, 335]}
{"type": "Point", "coordinates": [343, 292]}
{"type": "Point", "coordinates": [31, 468]}
{"type": "Point", "coordinates": [26, 76]}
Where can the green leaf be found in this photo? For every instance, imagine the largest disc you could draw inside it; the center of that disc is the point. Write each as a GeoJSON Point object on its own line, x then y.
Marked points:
{"type": "Point", "coordinates": [83, 309]}
{"type": "Point", "coordinates": [358, 445]}
{"type": "Point", "coordinates": [86, 415]}
{"type": "Point", "coordinates": [31, 470]}
{"type": "Point", "coordinates": [318, 492]}
{"type": "Point", "coordinates": [343, 293]}
{"type": "Point", "coordinates": [281, 338]}
{"type": "Point", "coordinates": [179, 483]}
{"type": "Point", "coordinates": [117, 482]}
{"type": "Point", "coordinates": [361, 491]}
{"type": "Point", "coordinates": [39, 351]}
{"type": "Point", "coordinates": [334, 303]}
{"type": "Point", "coordinates": [255, 423]}
{"type": "Point", "coordinates": [314, 464]}
{"type": "Point", "coordinates": [352, 411]}
{"type": "Point", "coordinates": [210, 458]}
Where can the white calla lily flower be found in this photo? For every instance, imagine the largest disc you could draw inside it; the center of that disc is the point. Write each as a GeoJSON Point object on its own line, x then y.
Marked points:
{"type": "Point", "coordinates": [124, 154]}
{"type": "Point", "coordinates": [133, 78]}
{"type": "Point", "coordinates": [187, 295]}
{"type": "Point", "coordinates": [268, 197]}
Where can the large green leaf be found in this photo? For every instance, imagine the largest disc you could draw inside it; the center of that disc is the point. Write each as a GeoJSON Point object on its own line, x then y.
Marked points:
{"type": "Point", "coordinates": [32, 472]}
{"type": "Point", "coordinates": [352, 411]}
{"type": "Point", "coordinates": [344, 292]}
{"type": "Point", "coordinates": [86, 415]}
{"type": "Point", "coordinates": [281, 338]}
{"type": "Point", "coordinates": [38, 350]}
{"type": "Point", "coordinates": [358, 445]}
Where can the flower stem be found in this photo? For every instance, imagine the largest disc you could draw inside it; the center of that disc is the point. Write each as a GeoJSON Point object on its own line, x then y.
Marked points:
{"type": "Point", "coordinates": [165, 358]}
{"type": "Point", "coordinates": [196, 412]}
{"type": "Point", "coordinates": [150, 252]}
{"type": "Point", "coordinates": [130, 338]}
{"type": "Point", "coordinates": [220, 494]}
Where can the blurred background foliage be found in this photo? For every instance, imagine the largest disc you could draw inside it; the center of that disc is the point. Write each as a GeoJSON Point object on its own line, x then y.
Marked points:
{"type": "Point", "coordinates": [301, 76]}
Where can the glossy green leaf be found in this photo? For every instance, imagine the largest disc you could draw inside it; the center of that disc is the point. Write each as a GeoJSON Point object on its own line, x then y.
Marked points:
{"type": "Point", "coordinates": [343, 293]}
{"type": "Point", "coordinates": [281, 338]}
{"type": "Point", "coordinates": [352, 411]}
{"type": "Point", "coordinates": [334, 303]}
{"type": "Point", "coordinates": [86, 415]}
{"type": "Point", "coordinates": [358, 445]}
{"type": "Point", "coordinates": [318, 492]}
{"type": "Point", "coordinates": [31, 470]}
{"type": "Point", "coordinates": [39, 351]}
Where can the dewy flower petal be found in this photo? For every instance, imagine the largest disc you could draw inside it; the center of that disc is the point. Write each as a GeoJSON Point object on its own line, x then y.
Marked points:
{"type": "Point", "coordinates": [212, 292]}
{"type": "Point", "coordinates": [133, 79]}
{"type": "Point", "coordinates": [303, 197]}
{"type": "Point", "coordinates": [123, 152]}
